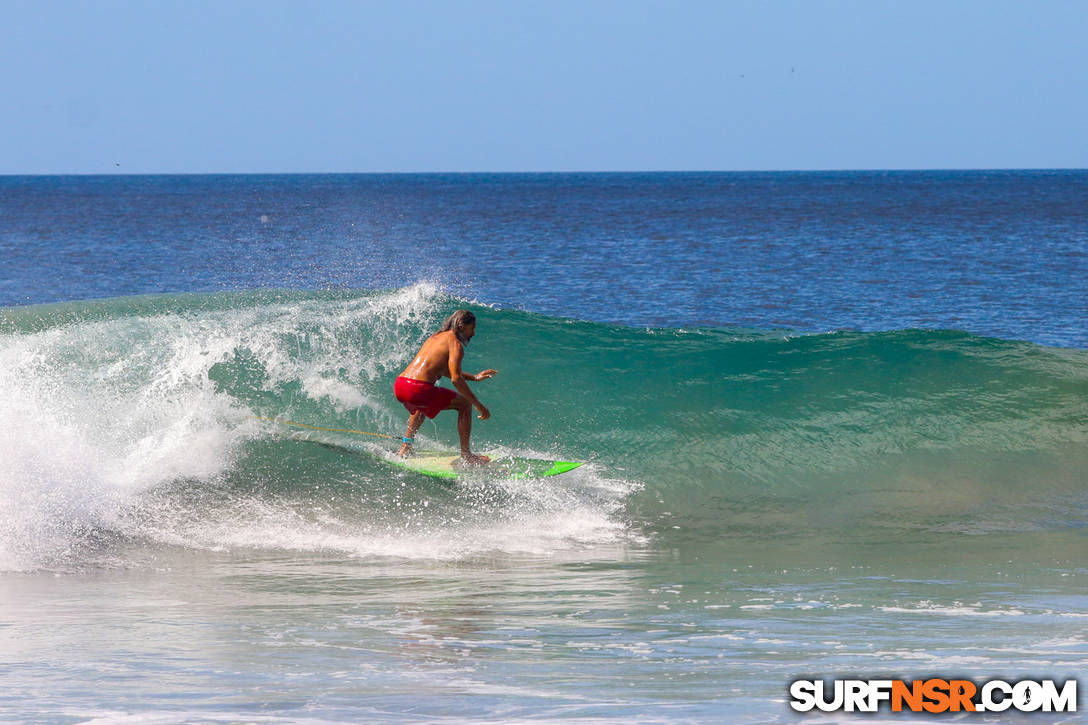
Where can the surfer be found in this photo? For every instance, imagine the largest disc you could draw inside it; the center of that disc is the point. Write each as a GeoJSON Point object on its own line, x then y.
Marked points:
{"type": "Point", "coordinates": [440, 356]}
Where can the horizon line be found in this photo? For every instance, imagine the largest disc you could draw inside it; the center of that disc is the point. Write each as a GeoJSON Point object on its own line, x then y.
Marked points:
{"type": "Point", "coordinates": [552, 172]}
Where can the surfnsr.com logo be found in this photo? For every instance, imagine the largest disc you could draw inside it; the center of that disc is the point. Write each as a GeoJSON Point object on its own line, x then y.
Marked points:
{"type": "Point", "coordinates": [933, 695]}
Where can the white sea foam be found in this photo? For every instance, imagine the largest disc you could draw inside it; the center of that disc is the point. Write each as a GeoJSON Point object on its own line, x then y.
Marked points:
{"type": "Point", "coordinates": [953, 610]}
{"type": "Point", "coordinates": [543, 519]}
{"type": "Point", "coordinates": [93, 414]}
{"type": "Point", "coordinates": [106, 717]}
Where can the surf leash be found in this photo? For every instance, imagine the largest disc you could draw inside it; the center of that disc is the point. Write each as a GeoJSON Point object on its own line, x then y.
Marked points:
{"type": "Point", "coordinates": [317, 427]}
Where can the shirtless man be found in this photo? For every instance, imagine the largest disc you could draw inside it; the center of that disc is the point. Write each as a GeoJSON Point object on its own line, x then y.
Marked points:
{"type": "Point", "coordinates": [441, 355]}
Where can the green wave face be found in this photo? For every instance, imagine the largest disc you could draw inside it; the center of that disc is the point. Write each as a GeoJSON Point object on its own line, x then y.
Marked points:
{"type": "Point", "coordinates": [135, 416]}
{"type": "Point", "coordinates": [768, 434]}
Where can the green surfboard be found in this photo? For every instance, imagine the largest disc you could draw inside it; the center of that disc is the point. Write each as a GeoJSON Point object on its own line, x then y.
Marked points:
{"type": "Point", "coordinates": [437, 464]}
{"type": "Point", "coordinates": [444, 464]}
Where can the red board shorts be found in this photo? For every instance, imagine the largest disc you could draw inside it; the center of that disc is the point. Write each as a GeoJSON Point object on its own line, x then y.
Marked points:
{"type": "Point", "coordinates": [420, 395]}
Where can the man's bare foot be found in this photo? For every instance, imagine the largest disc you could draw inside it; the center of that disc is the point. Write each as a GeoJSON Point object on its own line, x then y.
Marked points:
{"type": "Point", "coordinates": [471, 459]}
{"type": "Point", "coordinates": [405, 451]}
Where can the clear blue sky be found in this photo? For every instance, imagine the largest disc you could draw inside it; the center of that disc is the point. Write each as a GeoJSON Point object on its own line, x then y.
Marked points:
{"type": "Point", "coordinates": [507, 85]}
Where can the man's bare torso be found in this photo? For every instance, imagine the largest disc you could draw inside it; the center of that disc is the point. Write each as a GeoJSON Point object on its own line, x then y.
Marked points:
{"type": "Point", "coordinates": [432, 362]}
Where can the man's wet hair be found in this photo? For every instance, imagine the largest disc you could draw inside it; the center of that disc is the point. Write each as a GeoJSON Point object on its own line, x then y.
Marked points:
{"type": "Point", "coordinates": [457, 321]}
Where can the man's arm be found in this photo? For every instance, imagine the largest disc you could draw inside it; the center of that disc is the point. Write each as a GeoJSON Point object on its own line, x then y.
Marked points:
{"type": "Point", "coordinates": [457, 354]}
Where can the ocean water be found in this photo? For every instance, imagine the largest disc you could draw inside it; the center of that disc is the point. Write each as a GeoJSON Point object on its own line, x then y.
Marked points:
{"type": "Point", "coordinates": [835, 425]}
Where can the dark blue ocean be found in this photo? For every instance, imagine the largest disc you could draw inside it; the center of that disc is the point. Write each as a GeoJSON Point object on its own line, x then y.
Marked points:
{"type": "Point", "coordinates": [997, 253]}
{"type": "Point", "coordinates": [832, 425]}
